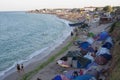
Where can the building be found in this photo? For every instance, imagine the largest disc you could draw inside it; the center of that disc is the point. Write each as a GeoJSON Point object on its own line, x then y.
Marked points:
{"type": "Point", "coordinates": [89, 8]}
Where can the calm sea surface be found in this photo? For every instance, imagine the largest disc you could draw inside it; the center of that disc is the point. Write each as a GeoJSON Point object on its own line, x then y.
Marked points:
{"type": "Point", "coordinates": [25, 35]}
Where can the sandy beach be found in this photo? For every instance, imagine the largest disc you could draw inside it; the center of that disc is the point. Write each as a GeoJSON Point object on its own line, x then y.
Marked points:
{"type": "Point", "coordinates": [48, 72]}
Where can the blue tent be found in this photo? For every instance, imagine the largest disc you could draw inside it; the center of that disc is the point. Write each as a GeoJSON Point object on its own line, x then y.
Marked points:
{"type": "Point", "coordinates": [107, 45]}
{"type": "Point", "coordinates": [103, 35]}
{"type": "Point", "coordinates": [84, 77]}
{"type": "Point", "coordinates": [86, 46]}
{"type": "Point", "coordinates": [90, 49]}
{"type": "Point", "coordinates": [107, 56]}
{"type": "Point", "coordinates": [57, 77]}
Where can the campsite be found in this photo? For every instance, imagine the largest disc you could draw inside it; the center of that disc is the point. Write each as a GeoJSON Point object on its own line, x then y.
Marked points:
{"type": "Point", "coordinates": [89, 54]}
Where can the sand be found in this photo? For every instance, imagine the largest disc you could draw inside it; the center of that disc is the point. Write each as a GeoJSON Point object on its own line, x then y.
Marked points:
{"type": "Point", "coordinates": [48, 72]}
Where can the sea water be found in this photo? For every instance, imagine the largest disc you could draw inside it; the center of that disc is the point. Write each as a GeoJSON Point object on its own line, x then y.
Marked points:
{"type": "Point", "coordinates": [25, 35]}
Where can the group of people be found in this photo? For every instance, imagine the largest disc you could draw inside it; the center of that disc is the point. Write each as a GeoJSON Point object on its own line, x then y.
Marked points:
{"type": "Point", "coordinates": [20, 68]}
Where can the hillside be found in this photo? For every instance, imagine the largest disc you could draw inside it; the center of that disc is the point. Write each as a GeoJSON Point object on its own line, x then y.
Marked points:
{"type": "Point", "coordinates": [115, 66]}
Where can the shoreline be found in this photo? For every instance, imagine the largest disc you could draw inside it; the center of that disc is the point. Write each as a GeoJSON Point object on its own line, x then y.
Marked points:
{"type": "Point", "coordinates": [34, 65]}
{"type": "Point", "coordinates": [35, 62]}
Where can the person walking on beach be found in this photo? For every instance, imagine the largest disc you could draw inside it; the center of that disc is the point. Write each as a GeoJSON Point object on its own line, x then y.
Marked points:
{"type": "Point", "coordinates": [22, 67]}
{"type": "Point", "coordinates": [18, 68]}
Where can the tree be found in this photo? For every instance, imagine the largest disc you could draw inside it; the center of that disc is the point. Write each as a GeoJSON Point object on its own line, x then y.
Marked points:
{"type": "Point", "coordinates": [96, 9]}
{"type": "Point", "coordinates": [108, 9]}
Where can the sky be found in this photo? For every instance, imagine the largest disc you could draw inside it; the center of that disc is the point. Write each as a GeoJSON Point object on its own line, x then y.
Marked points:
{"type": "Point", "coordinates": [22, 5]}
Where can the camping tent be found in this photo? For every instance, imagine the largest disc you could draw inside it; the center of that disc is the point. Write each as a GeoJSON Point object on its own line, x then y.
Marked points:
{"type": "Point", "coordinates": [102, 36]}
{"type": "Point", "coordinates": [109, 39]}
{"type": "Point", "coordinates": [103, 50]}
{"type": "Point", "coordinates": [107, 45]}
{"type": "Point", "coordinates": [86, 46]}
{"type": "Point", "coordinates": [90, 40]}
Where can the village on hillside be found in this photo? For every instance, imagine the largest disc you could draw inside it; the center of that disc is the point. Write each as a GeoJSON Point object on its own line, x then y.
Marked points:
{"type": "Point", "coordinates": [94, 14]}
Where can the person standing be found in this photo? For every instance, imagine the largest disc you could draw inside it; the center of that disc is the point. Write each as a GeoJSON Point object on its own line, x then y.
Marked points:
{"type": "Point", "coordinates": [22, 67]}
{"type": "Point", "coordinates": [18, 68]}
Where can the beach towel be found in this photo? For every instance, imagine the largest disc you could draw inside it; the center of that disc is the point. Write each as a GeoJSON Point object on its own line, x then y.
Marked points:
{"type": "Point", "coordinates": [63, 63]}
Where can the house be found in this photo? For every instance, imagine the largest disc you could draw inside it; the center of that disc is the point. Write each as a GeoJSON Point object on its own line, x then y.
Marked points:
{"type": "Point", "coordinates": [89, 8]}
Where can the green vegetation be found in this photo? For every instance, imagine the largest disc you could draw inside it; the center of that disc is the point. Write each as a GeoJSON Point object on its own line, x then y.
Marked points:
{"type": "Point", "coordinates": [115, 66]}
{"type": "Point", "coordinates": [108, 9]}
{"type": "Point", "coordinates": [115, 31]}
{"type": "Point", "coordinates": [115, 73]}
{"type": "Point", "coordinates": [112, 28]}
{"type": "Point", "coordinates": [28, 75]}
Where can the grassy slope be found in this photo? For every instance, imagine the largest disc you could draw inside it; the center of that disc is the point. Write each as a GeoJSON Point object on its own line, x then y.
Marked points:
{"type": "Point", "coordinates": [28, 75]}
{"type": "Point", "coordinates": [115, 67]}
